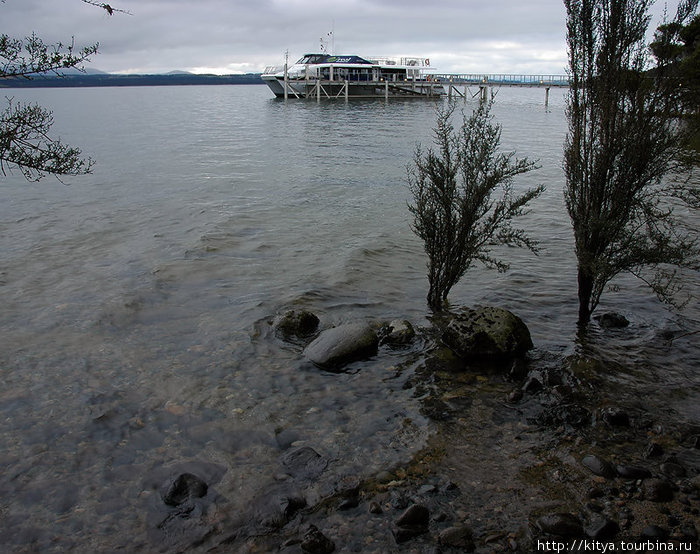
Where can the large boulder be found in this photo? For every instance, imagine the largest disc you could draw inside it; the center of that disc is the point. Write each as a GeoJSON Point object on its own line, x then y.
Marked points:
{"type": "Point", "coordinates": [486, 333]}
{"type": "Point", "coordinates": [340, 345]}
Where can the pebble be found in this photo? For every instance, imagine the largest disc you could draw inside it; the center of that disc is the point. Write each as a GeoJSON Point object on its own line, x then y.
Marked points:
{"type": "Point", "coordinates": [672, 470]}
{"type": "Point", "coordinates": [615, 417]}
{"type": "Point", "coordinates": [632, 472]}
{"type": "Point", "coordinates": [185, 487]}
{"type": "Point", "coordinates": [458, 537]}
{"type": "Point", "coordinates": [602, 528]}
{"type": "Point", "coordinates": [562, 525]}
{"type": "Point", "coordinates": [653, 450]}
{"type": "Point", "coordinates": [598, 466]}
{"type": "Point", "coordinates": [417, 514]}
{"type": "Point", "coordinates": [657, 490]}
{"type": "Point", "coordinates": [315, 542]}
{"type": "Point", "coordinates": [654, 532]}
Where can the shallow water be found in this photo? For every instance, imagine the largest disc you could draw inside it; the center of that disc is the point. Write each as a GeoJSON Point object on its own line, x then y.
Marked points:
{"type": "Point", "coordinates": [134, 332]}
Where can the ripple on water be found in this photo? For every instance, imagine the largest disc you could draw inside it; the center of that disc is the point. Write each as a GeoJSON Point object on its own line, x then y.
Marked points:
{"type": "Point", "coordinates": [134, 335]}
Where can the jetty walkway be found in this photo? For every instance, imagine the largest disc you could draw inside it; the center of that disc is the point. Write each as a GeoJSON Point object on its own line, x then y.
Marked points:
{"type": "Point", "coordinates": [435, 85]}
{"type": "Point", "coordinates": [454, 81]}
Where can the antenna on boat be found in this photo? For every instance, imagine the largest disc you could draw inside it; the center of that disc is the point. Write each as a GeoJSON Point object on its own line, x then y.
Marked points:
{"type": "Point", "coordinates": [324, 41]}
{"type": "Point", "coordinates": [332, 33]}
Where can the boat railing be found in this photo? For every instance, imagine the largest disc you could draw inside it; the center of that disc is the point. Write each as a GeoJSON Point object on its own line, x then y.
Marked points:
{"type": "Point", "coordinates": [272, 69]}
{"type": "Point", "coordinates": [389, 60]}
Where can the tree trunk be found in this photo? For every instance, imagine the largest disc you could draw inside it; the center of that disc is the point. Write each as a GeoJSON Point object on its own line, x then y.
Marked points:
{"type": "Point", "coordinates": [435, 299]}
{"type": "Point", "coordinates": [585, 291]}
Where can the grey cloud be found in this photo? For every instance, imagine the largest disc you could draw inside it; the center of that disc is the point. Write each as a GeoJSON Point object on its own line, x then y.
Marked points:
{"type": "Point", "coordinates": [162, 35]}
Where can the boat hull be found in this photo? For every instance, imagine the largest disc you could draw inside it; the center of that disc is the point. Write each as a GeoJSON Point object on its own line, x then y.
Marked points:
{"type": "Point", "coordinates": [362, 89]}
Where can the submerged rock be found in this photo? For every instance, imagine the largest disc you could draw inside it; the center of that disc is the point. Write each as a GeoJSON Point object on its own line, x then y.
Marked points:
{"type": "Point", "coordinates": [316, 542]}
{"type": "Point", "coordinates": [602, 528]}
{"type": "Point", "coordinates": [657, 490]}
{"type": "Point", "coordinates": [296, 323]}
{"type": "Point", "coordinates": [412, 523]}
{"type": "Point", "coordinates": [487, 332]}
{"type": "Point", "coordinates": [398, 332]}
{"type": "Point", "coordinates": [185, 487]}
{"type": "Point", "coordinates": [612, 320]}
{"type": "Point", "coordinates": [340, 345]}
{"type": "Point", "coordinates": [304, 463]}
{"type": "Point", "coordinates": [673, 470]}
{"type": "Point", "coordinates": [615, 416]}
{"type": "Point", "coordinates": [632, 472]}
{"type": "Point", "coordinates": [561, 525]}
{"type": "Point", "coordinates": [417, 514]}
{"type": "Point", "coordinates": [599, 466]}
{"type": "Point", "coordinates": [458, 537]}
{"type": "Point", "coordinates": [275, 506]}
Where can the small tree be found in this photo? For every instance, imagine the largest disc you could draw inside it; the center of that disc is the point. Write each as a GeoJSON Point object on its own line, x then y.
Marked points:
{"type": "Point", "coordinates": [463, 199]}
{"type": "Point", "coordinates": [623, 139]}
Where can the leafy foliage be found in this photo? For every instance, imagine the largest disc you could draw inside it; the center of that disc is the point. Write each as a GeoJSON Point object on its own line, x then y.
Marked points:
{"type": "Point", "coordinates": [25, 143]}
{"type": "Point", "coordinates": [456, 208]}
{"type": "Point", "coordinates": [623, 141]}
{"type": "Point", "coordinates": [31, 56]}
{"type": "Point", "coordinates": [676, 47]}
{"type": "Point", "coordinates": [24, 128]}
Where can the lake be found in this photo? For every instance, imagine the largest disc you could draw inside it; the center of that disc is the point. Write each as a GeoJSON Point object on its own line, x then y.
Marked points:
{"type": "Point", "coordinates": [135, 330]}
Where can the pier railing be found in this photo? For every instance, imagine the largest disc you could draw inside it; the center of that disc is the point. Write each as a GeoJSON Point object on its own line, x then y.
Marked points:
{"type": "Point", "coordinates": [504, 79]}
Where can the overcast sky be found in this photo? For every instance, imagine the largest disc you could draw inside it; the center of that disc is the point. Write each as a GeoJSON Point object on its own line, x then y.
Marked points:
{"type": "Point", "coordinates": [240, 36]}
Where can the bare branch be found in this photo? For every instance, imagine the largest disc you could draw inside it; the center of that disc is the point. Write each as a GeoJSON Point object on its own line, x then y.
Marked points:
{"type": "Point", "coordinates": [108, 8]}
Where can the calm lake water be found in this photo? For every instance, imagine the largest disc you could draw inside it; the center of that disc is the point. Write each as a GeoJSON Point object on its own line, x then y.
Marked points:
{"type": "Point", "coordinates": [134, 331]}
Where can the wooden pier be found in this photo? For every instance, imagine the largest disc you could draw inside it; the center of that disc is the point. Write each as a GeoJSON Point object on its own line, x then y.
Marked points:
{"type": "Point", "coordinates": [436, 86]}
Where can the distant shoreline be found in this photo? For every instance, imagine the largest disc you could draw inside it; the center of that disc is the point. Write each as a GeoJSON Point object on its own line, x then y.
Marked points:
{"type": "Point", "coordinates": [112, 80]}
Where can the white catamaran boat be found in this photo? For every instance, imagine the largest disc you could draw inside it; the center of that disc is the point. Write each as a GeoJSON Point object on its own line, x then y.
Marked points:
{"type": "Point", "coordinates": [328, 76]}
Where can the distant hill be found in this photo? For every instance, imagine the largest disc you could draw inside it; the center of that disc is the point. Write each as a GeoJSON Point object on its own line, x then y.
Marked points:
{"type": "Point", "coordinates": [100, 79]}
{"type": "Point", "coordinates": [86, 71]}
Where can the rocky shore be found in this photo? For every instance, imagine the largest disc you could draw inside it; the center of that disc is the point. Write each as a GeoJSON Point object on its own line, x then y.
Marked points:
{"type": "Point", "coordinates": [529, 452]}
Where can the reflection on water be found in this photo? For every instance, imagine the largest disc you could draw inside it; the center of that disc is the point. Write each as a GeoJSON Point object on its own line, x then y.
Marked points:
{"type": "Point", "coordinates": [135, 332]}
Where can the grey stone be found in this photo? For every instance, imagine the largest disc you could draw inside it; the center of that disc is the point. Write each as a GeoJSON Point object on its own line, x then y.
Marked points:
{"type": "Point", "coordinates": [316, 542]}
{"type": "Point", "coordinates": [654, 532]}
{"type": "Point", "coordinates": [657, 490]}
{"type": "Point", "coordinates": [674, 471]}
{"type": "Point", "coordinates": [296, 323]}
{"type": "Point", "coordinates": [398, 332]}
{"type": "Point", "coordinates": [303, 463]}
{"type": "Point", "coordinates": [599, 466]}
{"type": "Point", "coordinates": [632, 472]}
{"type": "Point", "coordinates": [417, 514]}
{"type": "Point", "coordinates": [340, 345]}
{"type": "Point", "coordinates": [185, 487]}
{"type": "Point", "coordinates": [612, 320]}
{"type": "Point", "coordinates": [561, 525]}
{"type": "Point", "coordinates": [487, 332]}
{"type": "Point", "coordinates": [615, 416]}
{"type": "Point", "coordinates": [459, 536]}
{"type": "Point", "coordinates": [602, 528]}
